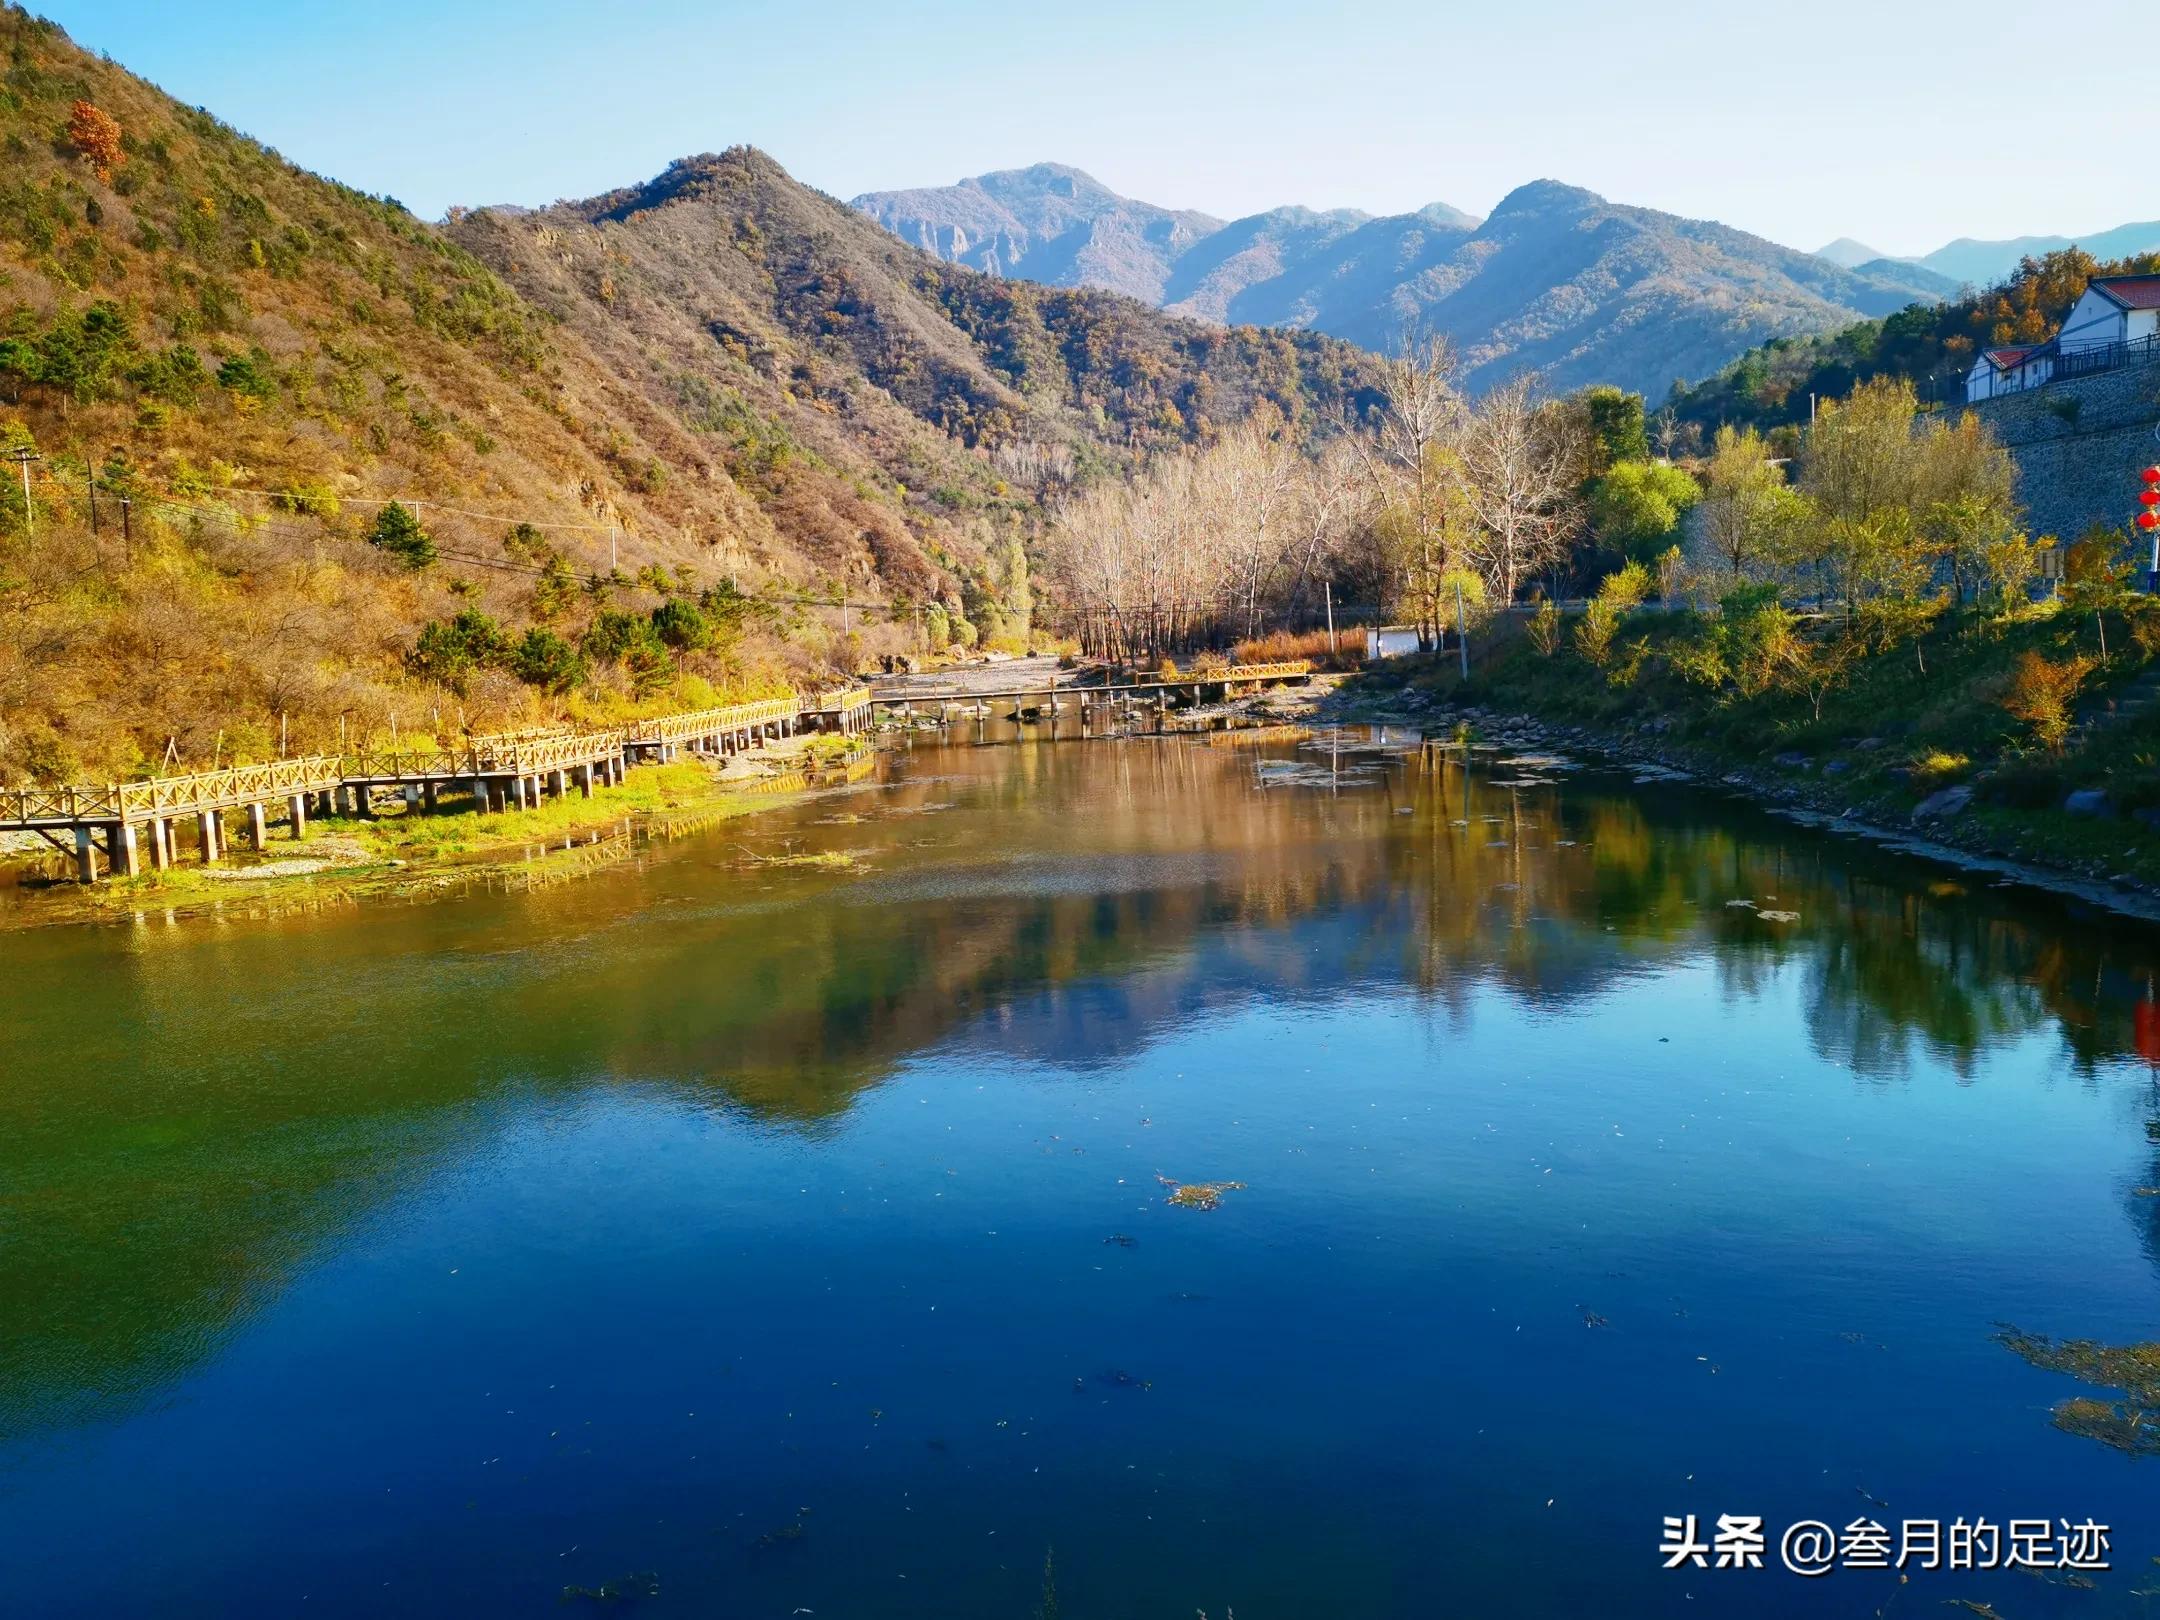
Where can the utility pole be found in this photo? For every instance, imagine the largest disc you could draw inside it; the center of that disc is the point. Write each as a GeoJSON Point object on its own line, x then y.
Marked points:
{"type": "Point", "coordinates": [90, 490]}
{"type": "Point", "coordinates": [1462, 631]}
{"type": "Point", "coordinates": [24, 455]}
{"type": "Point", "coordinates": [127, 528]}
{"type": "Point", "coordinates": [1327, 587]}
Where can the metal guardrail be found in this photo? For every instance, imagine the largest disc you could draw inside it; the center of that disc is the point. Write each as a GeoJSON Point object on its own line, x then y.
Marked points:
{"type": "Point", "coordinates": [2097, 357]}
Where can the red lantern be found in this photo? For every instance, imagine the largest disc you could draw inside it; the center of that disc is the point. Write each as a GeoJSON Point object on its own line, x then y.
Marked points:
{"type": "Point", "coordinates": [2148, 519]}
{"type": "Point", "coordinates": [2151, 475]}
{"type": "Point", "coordinates": [2149, 497]}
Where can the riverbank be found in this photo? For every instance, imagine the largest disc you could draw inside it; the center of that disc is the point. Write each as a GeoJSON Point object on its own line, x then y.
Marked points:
{"type": "Point", "coordinates": [1916, 753]}
{"type": "Point", "coordinates": [412, 854]}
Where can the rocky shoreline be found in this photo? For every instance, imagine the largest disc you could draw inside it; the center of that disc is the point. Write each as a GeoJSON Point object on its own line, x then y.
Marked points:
{"type": "Point", "coordinates": [1933, 830]}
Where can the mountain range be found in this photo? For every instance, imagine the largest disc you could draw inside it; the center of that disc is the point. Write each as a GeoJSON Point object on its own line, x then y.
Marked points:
{"type": "Point", "coordinates": [1969, 261]}
{"type": "Point", "coordinates": [1556, 278]}
{"type": "Point", "coordinates": [717, 375]}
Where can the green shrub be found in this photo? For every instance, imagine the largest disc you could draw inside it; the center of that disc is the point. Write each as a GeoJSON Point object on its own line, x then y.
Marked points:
{"type": "Point", "coordinates": [248, 375]}
{"type": "Point", "coordinates": [544, 659]}
{"type": "Point", "coordinates": [397, 531]}
{"type": "Point", "coordinates": [449, 651]}
{"type": "Point", "coordinates": [679, 624]}
{"type": "Point", "coordinates": [1619, 595]}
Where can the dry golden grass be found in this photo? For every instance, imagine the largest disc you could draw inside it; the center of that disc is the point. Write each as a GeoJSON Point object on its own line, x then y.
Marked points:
{"type": "Point", "coordinates": [1345, 651]}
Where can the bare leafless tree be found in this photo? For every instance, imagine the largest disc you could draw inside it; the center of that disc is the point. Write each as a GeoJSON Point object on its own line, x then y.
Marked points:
{"type": "Point", "coordinates": [1408, 457]}
{"type": "Point", "coordinates": [1520, 475]}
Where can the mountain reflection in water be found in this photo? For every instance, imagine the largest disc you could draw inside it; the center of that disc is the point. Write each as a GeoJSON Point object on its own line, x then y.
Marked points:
{"type": "Point", "coordinates": [197, 1113]}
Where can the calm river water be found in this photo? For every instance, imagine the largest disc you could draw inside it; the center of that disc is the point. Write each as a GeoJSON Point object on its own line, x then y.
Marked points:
{"type": "Point", "coordinates": [790, 1240]}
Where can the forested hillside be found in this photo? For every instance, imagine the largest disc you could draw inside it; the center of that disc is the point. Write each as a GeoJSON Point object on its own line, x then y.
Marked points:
{"type": "Point", "coordinates": [303, 468]}
{"type": "Point", "coordinates": [1930, 345]}
{"type": "Point", "coordinates": [898, 416]}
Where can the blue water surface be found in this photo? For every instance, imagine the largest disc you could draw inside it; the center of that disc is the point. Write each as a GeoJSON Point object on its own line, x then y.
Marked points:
{"type": "Point", "coordinates": [720, 1238]}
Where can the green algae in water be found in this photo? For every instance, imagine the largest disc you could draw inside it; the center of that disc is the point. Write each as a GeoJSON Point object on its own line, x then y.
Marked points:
{"type": "Point", "coordinates": [2131, 1425]}
{"type": "Point", "coordinates": [1199, 1194]}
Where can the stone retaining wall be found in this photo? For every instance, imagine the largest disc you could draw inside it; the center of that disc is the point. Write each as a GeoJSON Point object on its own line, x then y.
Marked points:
{"type": "Point", "coordinates": [2080, 445]}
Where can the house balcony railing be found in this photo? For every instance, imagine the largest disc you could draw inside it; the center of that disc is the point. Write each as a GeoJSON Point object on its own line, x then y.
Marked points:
{"type": "Point", "coordinates": [2083, 362]}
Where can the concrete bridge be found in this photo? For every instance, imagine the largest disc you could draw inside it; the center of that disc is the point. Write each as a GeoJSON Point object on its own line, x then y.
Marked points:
{"type": "Point", "coordinates": [127, 824]}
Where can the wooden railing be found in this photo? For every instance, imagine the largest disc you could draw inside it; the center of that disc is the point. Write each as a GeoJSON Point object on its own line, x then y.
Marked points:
{"type": "Point", "coordinates": [500, 754]}
{"type": "Point", "coordinates": [674, 728]}
{"type": "Point", "coordinates": [1281, 669]}
{"type": "Point", "coordinates": [170, 795]}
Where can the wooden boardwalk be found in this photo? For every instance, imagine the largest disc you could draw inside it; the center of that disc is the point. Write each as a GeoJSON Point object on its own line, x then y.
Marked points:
{"type": "Point", "coordinates": [126, 824]}
{"type": "Point", "coordinates": [1086, 697]}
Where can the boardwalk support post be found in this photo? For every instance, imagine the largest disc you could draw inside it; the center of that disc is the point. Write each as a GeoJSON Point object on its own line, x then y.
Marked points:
{"type": "Point", "coordinates": [206, 823]}
{"type": "Point", "coordinates": [258, 829]}
{"type": "Point", "coordinates": [296, 813]}
{"type": "Point", "coordinates": [85, 855]}
{"type": "Point", "coordinates": [126, 855]}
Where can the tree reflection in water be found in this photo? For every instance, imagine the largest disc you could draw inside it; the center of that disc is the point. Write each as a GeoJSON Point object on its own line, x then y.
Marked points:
{"type": "Point", "coordinates": [195, 1110]}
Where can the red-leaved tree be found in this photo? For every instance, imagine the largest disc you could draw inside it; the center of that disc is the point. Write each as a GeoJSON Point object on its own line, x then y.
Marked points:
{"type": "Point", "coordinates": [96, 135]}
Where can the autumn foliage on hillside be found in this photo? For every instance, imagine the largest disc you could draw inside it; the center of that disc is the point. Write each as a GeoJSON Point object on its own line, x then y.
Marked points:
{"type": "Point", "coordinates": [1931, 345]}
{"type": "Point", "coordinates": [649, 455]}
{"type": "Point", "coordinates": [97, 137]}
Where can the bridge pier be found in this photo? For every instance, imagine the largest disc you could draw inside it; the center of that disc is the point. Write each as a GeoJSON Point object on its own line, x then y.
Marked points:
{"type": "Point", "coordinates": [160, 843]}
{"type": "Point", "coordinates": [556, 783]}
{"type": "Point", "coordinates": [584, 780]}
{"type": "Point", "coordinates": [206, 823]}
{"type": "Point", "coordinates": [86, 866]}
{"type": "Point", "coordinates": [296, 812]}
{"type": "Point", "coordinates": [258, 828]}
{"type": "Point", "coordinates": [427, 797]}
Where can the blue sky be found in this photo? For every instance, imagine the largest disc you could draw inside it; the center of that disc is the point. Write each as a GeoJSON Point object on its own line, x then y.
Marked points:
{"type": "Point", "coordinates": [1837, 118]}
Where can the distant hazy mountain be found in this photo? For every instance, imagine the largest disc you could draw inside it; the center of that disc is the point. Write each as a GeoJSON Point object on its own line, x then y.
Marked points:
{"type": "Point", "coordinates": [1048, 223]}
{"type": "Point", "coordinates": [1557, 278]}
{"type": "Point", "coordinates": [1849, 253]}
{"type": "Point", "coordinates": [1977, 262]}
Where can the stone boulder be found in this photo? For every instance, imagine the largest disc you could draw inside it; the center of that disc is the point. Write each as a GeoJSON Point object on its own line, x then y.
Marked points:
{"type": "Point", "coordinates": [1942, 804]}
{"type": "Point", "coordinates": [2089, 802]}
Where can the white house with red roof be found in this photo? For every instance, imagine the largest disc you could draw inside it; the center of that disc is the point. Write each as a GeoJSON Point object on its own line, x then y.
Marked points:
{"type": "Point", "coordinates": [2111, 310]}
{"type": "Point", "coordinates": [2005, 371]}
{"type": "Point", "coordinates": [2115, 321]}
